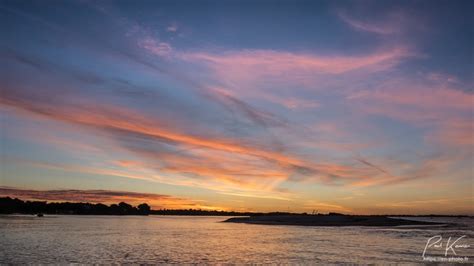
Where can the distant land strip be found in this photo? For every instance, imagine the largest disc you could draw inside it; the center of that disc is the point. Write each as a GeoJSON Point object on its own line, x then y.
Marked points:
{"type": "Point", "coordinates": [10, 205]}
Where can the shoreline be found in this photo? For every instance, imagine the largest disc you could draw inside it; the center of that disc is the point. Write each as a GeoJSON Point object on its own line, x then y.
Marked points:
{"type": "Point", "coordinates": [329, 220]}
{"type": "Point", "coordinates": [240, 216]}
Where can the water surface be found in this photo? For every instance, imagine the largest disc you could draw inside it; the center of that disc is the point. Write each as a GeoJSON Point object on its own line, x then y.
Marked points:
{"type": "Point", "coordinates": [184, 239]}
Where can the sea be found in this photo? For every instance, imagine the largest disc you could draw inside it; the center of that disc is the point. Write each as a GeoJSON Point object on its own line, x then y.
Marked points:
{"type": "Point", "coordinates": [64, 239]}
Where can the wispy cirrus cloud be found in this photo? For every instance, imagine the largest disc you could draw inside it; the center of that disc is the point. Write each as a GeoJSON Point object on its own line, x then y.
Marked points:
{"type": "Point", "coordinates": [444, 108]}
{"type": "Point", "coordinates": [156, 47]}
{"type": "Point", "coordinates": [249, 64]}
{"type": "Point", "coordinates": [455, 133]}
{"type": "Point", "coordinates": [216, 159]}
{"type": "Point", "coordinates": [282, 77]}
{"type": "Point", "coordinates": [387, 23]}
{"type": "Point", "coordinates": [392, 25]}
{"type": "Point", "coordinates": [229, 170]}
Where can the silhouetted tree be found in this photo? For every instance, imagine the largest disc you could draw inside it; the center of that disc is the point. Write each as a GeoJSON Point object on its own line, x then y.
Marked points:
{"type": "Point", "coordinates": [126, 208]}
{"type": "Point", "coordinates": [144, 209]}
{"type": "Point", "coordinates": [114, 209]}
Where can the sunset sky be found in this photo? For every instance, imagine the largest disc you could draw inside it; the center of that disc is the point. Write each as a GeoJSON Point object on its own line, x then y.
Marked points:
{"type": "Point", "coordinates": [344, 106]}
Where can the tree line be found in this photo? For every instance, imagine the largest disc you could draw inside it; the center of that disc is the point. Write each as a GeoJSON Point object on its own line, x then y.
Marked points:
{"type": "Point", "coordinates": [10, 206]}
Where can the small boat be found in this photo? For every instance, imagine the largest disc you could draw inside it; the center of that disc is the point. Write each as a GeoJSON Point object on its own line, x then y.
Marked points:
{"type": "Point", "coordinates": [40, 215]}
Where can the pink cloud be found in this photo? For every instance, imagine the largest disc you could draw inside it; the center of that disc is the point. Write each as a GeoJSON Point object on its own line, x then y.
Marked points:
{"type": "Point", "coordinates": [455, 133]}
{"type": "Point", "coordinates": [155, 47]}
{"type": "Point", "coordinates": [395, 22]}
{"type": "Point", "coordinates": [268, 74]}
{"type": "Point", "coordinates": [378, 28]}
{"type": "Point", "coordinates": [436, 103]}
{"type": "Point", "coordinates": [247, 64]}
{"type": "Point", "coordinates": [420, 97]}
{"type": "Point", "coordinates": [298, 103]}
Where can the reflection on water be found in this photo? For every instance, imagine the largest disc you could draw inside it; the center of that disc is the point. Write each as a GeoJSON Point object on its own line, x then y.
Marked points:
{"type": "Point", "coordinates": [171, 239]}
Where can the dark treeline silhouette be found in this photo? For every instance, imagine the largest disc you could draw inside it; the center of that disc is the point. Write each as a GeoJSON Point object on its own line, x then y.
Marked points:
{"type": "Point", "coordinates": [9, 206]}
{"type": "Point", "coordinates": [199, 212]}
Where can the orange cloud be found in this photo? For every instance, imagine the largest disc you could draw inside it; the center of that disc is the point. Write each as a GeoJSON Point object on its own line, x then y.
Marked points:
{"type": "Point", "coordinates": [206, 160]}
{"type": "Point", "coordinates": [456, 206]}
{"type": "Point", "coordinates": [111, 118]}
{"type": "Point", "coordinates": [321, 207]}
{"type": "Point", "coordinates": [157, 201]}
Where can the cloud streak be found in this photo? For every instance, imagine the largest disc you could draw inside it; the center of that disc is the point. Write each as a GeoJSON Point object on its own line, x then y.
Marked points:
{"type": "Point", "coordinates": [209, 157]}
{"type": "Point", "coordinates": [373, 27]}
{"type": "Point", "coordinates": [249, 64]}
{"type": "Point", "coordinates": [157, 201]}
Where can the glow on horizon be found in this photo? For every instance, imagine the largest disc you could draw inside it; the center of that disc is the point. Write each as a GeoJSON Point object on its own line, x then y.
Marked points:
{"type": "Point", "coordinates": [273, 106]}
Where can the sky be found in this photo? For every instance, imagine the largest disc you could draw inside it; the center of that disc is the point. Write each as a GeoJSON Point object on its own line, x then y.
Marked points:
{"type": "Point", "coordinates": [362, 107]}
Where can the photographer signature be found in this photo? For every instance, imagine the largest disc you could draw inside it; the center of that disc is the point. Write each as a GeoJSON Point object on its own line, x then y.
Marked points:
{"type": "Point", "coordinates": [436, 242]}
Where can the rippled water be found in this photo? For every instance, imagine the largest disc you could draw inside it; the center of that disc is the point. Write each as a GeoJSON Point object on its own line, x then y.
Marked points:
{"type": "Point", "coordinates": [173, 239]}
